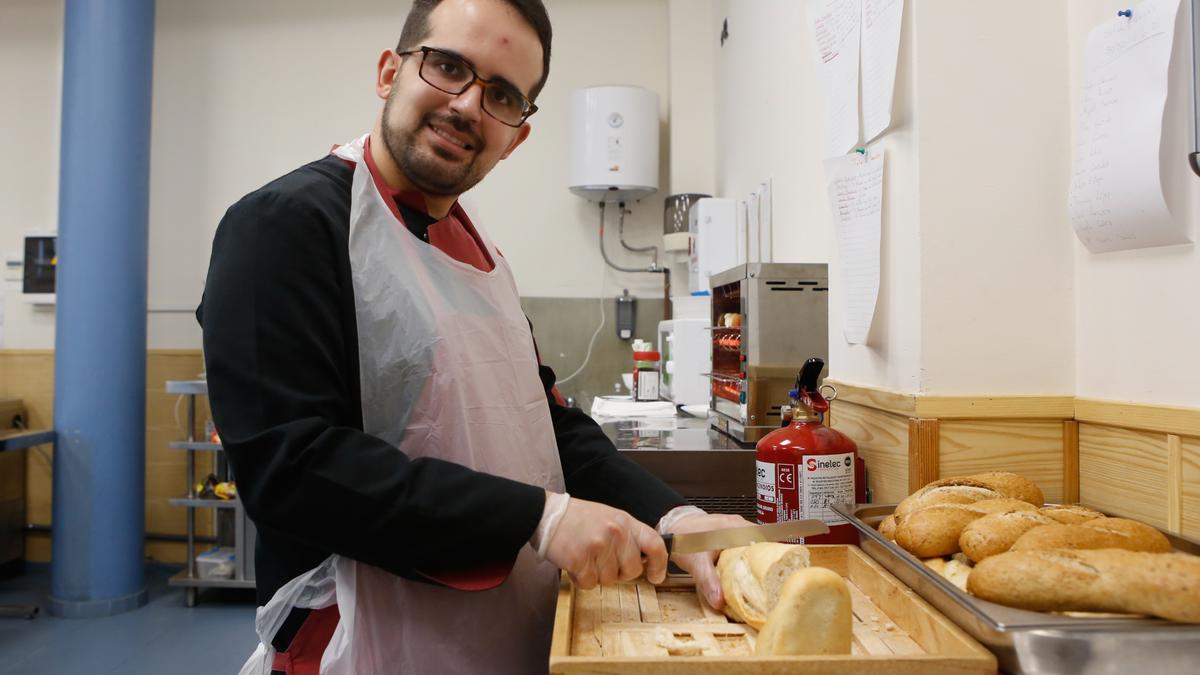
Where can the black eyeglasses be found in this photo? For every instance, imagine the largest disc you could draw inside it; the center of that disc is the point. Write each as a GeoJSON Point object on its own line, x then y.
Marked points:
{"type": "Point", "coordinates": [450, 73]}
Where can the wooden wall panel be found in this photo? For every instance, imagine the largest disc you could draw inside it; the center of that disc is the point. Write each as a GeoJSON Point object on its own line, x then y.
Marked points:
{"type": "Point", "coordinates": [29, 375]}
{"type": "Point", "coordinates": [1070, 462]}
{"type": "Point", "coordinates": [882, 440]}
{"type": "Point", "coordinates": [1121, 470]}
{"type": "Point", "coordinates": [1032, 448]}
{"type": "Point", "coordinates": [1174, 469]}
{"type": "Point", "coordinates": [924, 456]}
{"type": "Point", "coordinates": [1124, 472]}
{"type": "Point", "coordinates": [1138, 460]}
{"type": "Point", "coordinates": [1191, 486]}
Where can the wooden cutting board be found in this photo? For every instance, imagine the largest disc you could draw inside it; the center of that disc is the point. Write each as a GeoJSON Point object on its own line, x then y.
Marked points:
{"type": "Point", "coordinates": [636, 627]}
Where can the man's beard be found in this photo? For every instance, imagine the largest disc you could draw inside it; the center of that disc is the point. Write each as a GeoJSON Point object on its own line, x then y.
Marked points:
{"type": "Point", "coordinates": [425, 168]}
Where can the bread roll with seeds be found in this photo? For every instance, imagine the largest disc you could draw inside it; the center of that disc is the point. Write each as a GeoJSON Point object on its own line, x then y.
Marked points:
{"type": "Point", "coordinates": [934, 530]}
{"type": "Point", "coordinates": [964, 491]}
{"type": "Point", "coordinates": [996, 533]}
{"type": "Point", "coordinates": [1166, 585]}
{"type": "Point", "coordinates": [1012, 485]}
{"type": "Point", "coordinates": [1119, 533]}
{"type": "Point", "coordinates": [1069, 514]}
{"type": "Point", "coordinates": [968, 489]}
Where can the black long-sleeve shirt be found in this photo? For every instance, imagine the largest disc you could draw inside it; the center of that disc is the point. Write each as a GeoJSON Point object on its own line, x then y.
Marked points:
{"type": "Point", "coordinates": [281, 353]}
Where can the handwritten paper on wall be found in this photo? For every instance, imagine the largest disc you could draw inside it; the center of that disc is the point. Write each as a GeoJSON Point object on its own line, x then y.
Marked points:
{"type": "Point", "coordinates": [833, 27]}
{"type": "Point", "coordinates": [1116, 199]}
{"type": "Point", "coordinates": [880, 45]}
{"type": "Point", "coordinates": [855, 186]}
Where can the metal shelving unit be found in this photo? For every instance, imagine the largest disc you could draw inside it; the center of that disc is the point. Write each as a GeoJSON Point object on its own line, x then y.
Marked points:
{"type": "Point", "coordinates": [233, 528]}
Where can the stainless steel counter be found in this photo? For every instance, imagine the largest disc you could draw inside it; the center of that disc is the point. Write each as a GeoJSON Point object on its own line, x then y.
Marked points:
{"type": "Point", "coordinates": [712, 470]}
{"type": "Point", "coordinates": [682, 432]}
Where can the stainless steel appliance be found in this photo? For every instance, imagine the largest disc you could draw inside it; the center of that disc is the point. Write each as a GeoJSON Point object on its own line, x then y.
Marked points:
{"type": "Point", "coordinates": [768, 318]}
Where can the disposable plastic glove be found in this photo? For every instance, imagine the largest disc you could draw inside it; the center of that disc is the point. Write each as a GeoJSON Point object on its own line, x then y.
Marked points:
{"type": "Point", "coordinates": [702, 566]}
{"type": "Point", "coordinates": [600, 545]}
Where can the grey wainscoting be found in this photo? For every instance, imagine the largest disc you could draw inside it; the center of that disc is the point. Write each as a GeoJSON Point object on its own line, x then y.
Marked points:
{"type": "Point", "coordinates": [562, 328]}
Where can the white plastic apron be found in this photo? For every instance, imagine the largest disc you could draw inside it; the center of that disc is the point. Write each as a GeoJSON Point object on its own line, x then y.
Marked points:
{"type": "Point", "coordinates": [448, 370]}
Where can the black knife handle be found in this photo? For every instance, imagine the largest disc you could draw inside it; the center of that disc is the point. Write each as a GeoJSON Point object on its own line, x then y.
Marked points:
{"type": "Point", "coordinates": [672, 568]}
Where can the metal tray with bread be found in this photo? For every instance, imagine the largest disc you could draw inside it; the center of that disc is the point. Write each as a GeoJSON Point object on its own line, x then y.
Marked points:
{"type": "Point", "coordinates": [636, 627]}
{"type": "Point", "coordinates": [1039, 642]}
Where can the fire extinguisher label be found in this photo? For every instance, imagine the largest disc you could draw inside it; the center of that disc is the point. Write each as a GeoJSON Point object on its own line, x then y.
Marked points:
{"type": "Point", "coordinates": [828, 479]}
{"type": "Point", "coordinates": [765, 481]}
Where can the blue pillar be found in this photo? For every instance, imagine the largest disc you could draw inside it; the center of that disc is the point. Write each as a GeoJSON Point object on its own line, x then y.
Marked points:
{"type": "Point", "coordinates": [100, 331]}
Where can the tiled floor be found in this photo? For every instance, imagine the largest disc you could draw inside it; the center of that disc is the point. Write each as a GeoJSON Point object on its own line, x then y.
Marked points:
{"type": "Point", "coordinates": [163, 637]}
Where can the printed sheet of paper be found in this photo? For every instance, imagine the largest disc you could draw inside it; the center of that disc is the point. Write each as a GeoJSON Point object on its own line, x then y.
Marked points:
{"type": "Point", "coordinates": [1116, 199]}
{"type": "Point", "coordinates": [833, 27]}
{"type": "Point", "coordinates": [855, 186]}
{"type": "Point", "coordinates": [880, 46]}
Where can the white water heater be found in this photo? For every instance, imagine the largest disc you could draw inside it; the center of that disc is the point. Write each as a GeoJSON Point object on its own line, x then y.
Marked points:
{"type": "Point", "coordinates": [614, 143]}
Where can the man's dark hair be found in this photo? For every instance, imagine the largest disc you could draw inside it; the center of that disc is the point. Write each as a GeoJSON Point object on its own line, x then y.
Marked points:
{"type": "Point", "coordinates": [416, 29]}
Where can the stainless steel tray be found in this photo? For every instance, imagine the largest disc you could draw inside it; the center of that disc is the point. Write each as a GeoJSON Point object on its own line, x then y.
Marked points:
{"type": "Point", "coordinates": [1038, 642]}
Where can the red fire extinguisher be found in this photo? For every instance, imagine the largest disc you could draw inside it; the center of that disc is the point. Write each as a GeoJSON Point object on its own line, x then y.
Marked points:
{"type": "Point", "coordinates": [806, 466]}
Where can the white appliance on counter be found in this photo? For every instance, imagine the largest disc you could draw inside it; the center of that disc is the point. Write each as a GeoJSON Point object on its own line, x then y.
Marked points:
{"type": "Point", "coordinates": [686, 347]}
{"type": "Point", "coordinates": [716, 247]}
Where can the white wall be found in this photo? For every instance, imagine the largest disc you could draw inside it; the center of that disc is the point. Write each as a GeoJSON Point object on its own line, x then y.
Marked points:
{"type": "Point", "coordinates": [770, 124]}
{"type": "Point", "coordinates": [550, 236]}
{"type": "Point", "coordinates": [246, 91]}
{"type": "Point", "coordinates": [985, 288]}
{"type": "Point", "coordinates": [1136, 311]}
{"type": "Point", "coordinates": [975, 291]}
{"type": "Point", "coordinates": [691, 102]}
{"type": "Point", "coordinates": [993, 164]}
{"type": "Point", "coordinates": [30, 77]}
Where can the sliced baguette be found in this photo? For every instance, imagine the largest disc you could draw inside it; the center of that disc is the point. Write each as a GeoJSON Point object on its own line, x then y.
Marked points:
{"type": "Point", "coordinates": [813, 616]}
{"type": "Point", "coordinates": [744, 599]}
{"type": "Point", "coordinates": [772, 563]}
{"type": "Point", "coordinates": [752, 576]}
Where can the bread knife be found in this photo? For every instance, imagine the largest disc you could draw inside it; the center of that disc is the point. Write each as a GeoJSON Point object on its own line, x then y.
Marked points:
{"type": "Point", "coordinates": [694, 542]}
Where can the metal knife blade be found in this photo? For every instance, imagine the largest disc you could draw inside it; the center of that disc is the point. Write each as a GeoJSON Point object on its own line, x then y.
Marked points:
{"type": "Point", "coordinates": [694, 542]}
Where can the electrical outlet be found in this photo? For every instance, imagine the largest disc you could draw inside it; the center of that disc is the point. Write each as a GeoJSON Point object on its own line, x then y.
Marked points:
{"type": "Point", "coordinates": [14, 267]}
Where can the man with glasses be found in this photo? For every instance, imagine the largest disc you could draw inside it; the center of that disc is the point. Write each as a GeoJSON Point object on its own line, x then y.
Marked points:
{"type": "Point", "coordinates": [415, 479]}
